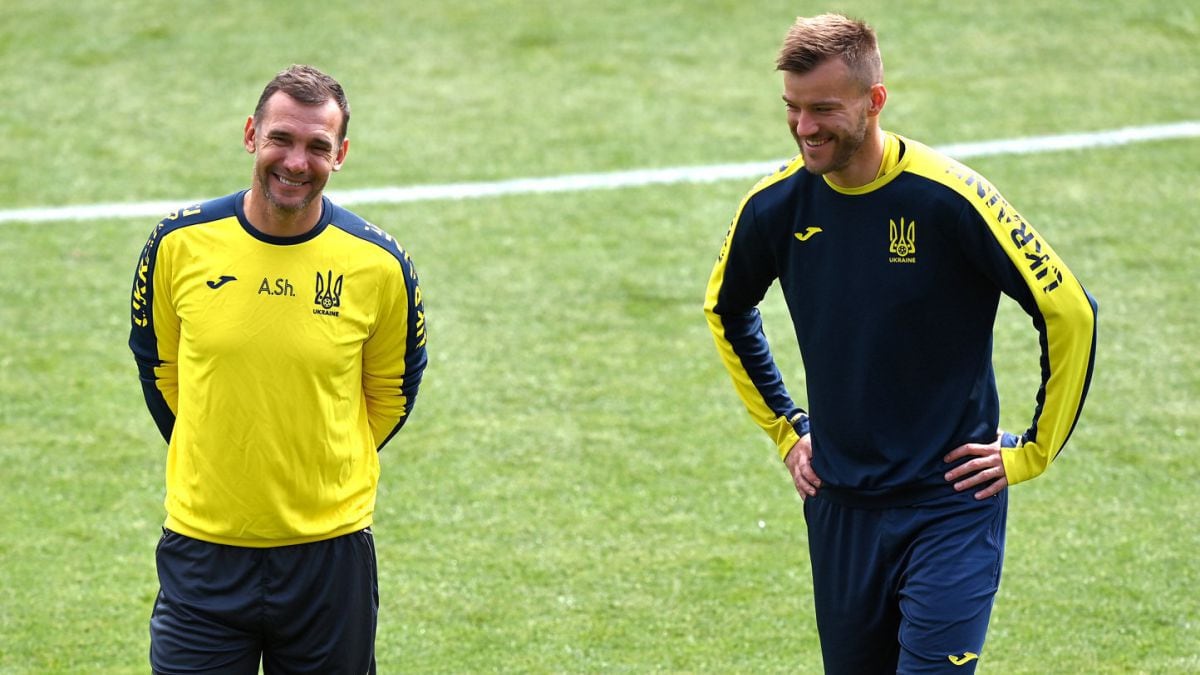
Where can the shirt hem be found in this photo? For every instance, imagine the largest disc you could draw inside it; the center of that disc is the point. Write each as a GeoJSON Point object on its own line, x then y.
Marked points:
{"type": "Point", "coordinates": [178, 527]}
{"type": "Point", "coordinates": [888, 498]}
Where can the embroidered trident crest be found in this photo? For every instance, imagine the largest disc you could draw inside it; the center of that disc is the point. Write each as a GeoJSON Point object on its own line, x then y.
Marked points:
{"type": "Point", "coordinates": [329, 292]}
{"type": "Point", "coordinates": [903, 238]}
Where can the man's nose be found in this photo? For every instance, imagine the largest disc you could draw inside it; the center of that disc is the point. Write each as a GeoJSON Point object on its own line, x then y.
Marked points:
{"type": "Point", "coordinates": [295, 161]}
{"type": "Point", "coordinates": [804, 124]}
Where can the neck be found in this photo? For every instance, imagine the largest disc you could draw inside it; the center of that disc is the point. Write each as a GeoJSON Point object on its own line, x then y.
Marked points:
{"type": "Point", "coordinates": [864, 168]}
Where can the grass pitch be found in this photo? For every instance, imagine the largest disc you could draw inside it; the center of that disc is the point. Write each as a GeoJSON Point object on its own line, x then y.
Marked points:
{"type": "Point", "coordinates": [579, 490]}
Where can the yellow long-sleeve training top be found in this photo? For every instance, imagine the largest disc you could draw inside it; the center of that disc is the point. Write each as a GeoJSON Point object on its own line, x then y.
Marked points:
{"type": "Point", "coordinates": [276, 368]}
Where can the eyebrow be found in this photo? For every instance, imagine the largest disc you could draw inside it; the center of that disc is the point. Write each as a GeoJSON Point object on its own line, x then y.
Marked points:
{"type": "Point", "coordinates": [819, 102]}
{"type": "Point", "coordinates": [283, 134]}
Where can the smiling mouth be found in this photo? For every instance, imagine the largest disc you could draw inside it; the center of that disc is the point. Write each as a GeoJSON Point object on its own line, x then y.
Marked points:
{"type": "Point", "coordinates": [812, 143]}
{"type": "Point", "coordinates": [289, 183]}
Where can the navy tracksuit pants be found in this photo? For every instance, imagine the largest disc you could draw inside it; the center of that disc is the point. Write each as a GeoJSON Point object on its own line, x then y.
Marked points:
{"type": "Point", "coordinates": [905, 589]}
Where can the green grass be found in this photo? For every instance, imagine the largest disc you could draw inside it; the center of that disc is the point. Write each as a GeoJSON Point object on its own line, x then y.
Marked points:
{"type": "Point", "coordinates": [579, 490]}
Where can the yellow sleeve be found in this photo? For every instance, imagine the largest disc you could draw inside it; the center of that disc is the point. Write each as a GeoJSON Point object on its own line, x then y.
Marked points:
{"type": "Point", "coordinates": [394, 356]}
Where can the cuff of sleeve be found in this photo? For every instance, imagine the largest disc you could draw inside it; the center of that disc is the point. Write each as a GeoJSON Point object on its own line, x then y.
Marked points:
{"type": "Point", "coordinates": [798, 426]}
{"type": "Point", "coordinates": [801, 424]}
{"type": "Point", "coordinates": [786, 444]}
{"type": "Point", "coordinates": [1024, 462]}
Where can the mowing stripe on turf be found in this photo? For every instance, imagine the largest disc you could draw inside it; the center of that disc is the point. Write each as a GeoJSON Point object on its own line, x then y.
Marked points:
{"type": "Point", "coordinates": [617, 179]}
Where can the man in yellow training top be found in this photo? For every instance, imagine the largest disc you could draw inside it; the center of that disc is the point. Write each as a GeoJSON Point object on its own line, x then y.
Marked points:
{"type": "Point", "coordinates": [280, 341]}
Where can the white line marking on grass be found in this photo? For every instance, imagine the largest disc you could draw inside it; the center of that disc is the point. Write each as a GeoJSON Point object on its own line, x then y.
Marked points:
{"type": "Point", "coordinates": [619, 179]}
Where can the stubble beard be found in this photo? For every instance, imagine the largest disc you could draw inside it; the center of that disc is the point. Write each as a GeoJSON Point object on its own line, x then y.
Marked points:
{"type": "Point", "coordinates": [846, 147]}
{"type": "Point", "coordinates": [276, 203]}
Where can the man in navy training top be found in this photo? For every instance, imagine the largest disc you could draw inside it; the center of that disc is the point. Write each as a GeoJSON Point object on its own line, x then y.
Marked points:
{"type": "Point", "coordinates": [891, 259]}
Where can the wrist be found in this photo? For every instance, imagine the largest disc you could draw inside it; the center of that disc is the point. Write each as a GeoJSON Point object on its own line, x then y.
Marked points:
{"type": "Point", "coordinates": [801, 424]}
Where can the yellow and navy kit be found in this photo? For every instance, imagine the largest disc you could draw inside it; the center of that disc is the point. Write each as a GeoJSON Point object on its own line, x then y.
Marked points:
{"type": "Point", "coordinates": [893, 288]}
{"type": "Point", "coordinates": [275, 368]}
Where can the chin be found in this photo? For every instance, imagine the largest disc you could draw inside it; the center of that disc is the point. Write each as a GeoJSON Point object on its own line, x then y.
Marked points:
{"type": "Point", "coordinates": [288, 206]}
{"type": "Point", "coordinates": [813, 168]}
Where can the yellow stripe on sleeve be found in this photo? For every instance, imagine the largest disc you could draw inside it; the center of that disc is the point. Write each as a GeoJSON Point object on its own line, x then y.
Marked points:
{"type": "Point", "coordinates": [778, 427]}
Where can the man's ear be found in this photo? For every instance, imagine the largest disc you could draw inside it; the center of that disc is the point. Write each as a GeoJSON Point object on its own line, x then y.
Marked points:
{"type": "Point", "coordinates": [341, 155]}
{"type": "Point", "coordinates": [248, 138]}
{"type": "Point", "coordinates": [878, 98]}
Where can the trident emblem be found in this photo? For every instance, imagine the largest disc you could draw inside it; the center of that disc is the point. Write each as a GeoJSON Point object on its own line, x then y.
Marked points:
{"type": "Point", "coordinates": [329, 292]}
{"type": "Point", "coordinates": [903, 239]}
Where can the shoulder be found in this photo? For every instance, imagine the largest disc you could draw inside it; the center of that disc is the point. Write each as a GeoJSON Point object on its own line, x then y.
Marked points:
{"type": "Point", "coordinates": [965, 184]}
{"type": "Point", "coordinates": [775, 191]}
{"type": "Point", "coordinates": [945, 171]}
{"type": "Point", "coordinates": [788, 175]}
{"type": "Point", "coordinates": [369, 236]}
{"type": "Point", "coordinates": [200, 213]}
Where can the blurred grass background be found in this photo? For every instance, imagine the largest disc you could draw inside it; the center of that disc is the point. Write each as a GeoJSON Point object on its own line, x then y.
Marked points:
{"type": "Point", "coordinates": [579, 489]}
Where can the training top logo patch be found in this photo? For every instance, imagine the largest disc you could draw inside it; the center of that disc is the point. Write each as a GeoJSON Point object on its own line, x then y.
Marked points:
{"type": "Point", "coordinates": [329, 294]}
{"type": "Point", "coordinates": [902, 241]}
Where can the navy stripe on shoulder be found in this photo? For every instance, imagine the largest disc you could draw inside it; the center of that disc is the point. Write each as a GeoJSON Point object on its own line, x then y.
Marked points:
{"type": "Point", "coordinates": [143, 291]}
{"type": "Point", "coordinates": [203, 212]}
{"type": "Point", "coordinates": [356, 226]}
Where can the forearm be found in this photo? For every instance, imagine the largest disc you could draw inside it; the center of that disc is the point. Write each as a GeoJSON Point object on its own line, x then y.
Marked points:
{"type": "Point", "coordinates": [1068, 355]}
{"type": "Point", "coordinates": [747, 357]}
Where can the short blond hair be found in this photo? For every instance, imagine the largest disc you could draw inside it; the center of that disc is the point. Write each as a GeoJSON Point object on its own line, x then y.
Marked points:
{"type": "Point", "coordinates": [812, 40]}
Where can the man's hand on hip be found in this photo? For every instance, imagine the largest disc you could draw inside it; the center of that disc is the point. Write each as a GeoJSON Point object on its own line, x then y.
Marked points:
{"type": "Point", "coordinates": [987, 469]}
{"type": "Point", "coordinates": [799, 463]}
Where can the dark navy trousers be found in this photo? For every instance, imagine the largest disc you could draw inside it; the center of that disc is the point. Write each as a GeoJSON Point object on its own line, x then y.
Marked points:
{"type": "Point", "coordinates": [905, 589]}
{"type": "Point", "coordinates": [308, 608]}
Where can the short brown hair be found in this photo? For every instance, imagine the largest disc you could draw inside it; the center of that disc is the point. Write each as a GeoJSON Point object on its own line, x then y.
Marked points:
{"type": "Point", "coordinates": [308, 86]}
{"type": "Point", "coordinates": [810, 41]}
